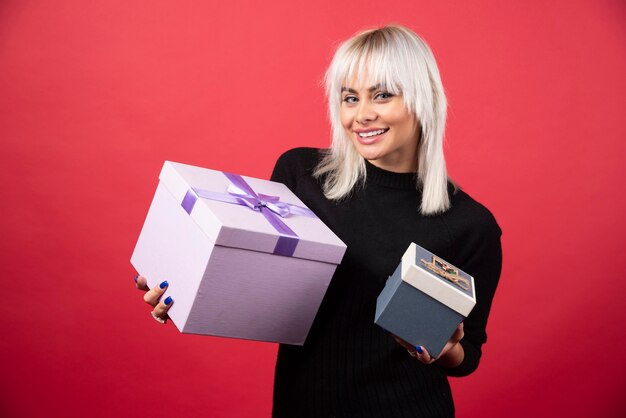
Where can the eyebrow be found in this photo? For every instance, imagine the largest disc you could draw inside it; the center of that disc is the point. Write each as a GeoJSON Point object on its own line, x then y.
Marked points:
{"type": "Point", "coordinates": [374, 87]}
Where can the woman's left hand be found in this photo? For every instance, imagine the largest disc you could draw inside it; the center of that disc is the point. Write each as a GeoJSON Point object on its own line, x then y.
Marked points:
{"type": "Point", "coordinates": [452, 352]}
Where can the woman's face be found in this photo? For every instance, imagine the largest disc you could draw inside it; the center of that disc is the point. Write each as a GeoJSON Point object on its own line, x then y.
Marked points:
{"type": "Point", "coordinates": [380, 127]}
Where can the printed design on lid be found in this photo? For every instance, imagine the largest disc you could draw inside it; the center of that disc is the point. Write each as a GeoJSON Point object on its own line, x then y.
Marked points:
{"type": "Point", "coordinates": [447, 271]}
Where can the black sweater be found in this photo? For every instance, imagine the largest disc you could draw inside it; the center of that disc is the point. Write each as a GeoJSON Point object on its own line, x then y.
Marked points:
{"type": "Point", "coordinates": [348, 366]}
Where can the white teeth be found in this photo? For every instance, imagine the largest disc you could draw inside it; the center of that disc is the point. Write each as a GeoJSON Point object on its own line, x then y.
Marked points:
{"type": "Point", "coordinates": [372, 133]}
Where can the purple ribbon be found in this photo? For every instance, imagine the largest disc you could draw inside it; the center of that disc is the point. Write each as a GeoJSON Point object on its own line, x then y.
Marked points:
{"type": "Point", "coordinates": [240, 193]}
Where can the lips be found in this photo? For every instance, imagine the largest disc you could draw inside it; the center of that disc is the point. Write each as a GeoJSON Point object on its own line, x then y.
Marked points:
{"type": "Point", "coordinates": [370, 136]}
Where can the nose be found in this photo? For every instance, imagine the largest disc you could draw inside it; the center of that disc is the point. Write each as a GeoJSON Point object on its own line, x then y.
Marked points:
{"type": "Point", "coordinates": [365, 113]}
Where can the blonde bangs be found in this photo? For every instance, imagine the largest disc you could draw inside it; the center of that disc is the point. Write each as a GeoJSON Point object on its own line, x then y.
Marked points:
{"type": "Point", "coordinates": [368, 61]}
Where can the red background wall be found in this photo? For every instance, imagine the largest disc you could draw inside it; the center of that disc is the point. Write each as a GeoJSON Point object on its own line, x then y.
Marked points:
{"type": "Point", "coordinates": [95, 95]}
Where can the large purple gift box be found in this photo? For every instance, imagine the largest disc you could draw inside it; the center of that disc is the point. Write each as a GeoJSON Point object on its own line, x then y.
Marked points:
{"type": "Point", "coordinates": [244, 257]}
{"type": "Point", "coordinates": [425, 300]}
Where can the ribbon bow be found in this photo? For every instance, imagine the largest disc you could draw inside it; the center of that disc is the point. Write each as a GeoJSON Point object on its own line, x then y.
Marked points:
{"type": "Point", "coordinates": [240, 193]}
{"type": "Point", "coordinates": [272, 203]}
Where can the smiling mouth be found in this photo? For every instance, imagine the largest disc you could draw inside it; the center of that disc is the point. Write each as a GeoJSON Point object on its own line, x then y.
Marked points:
{"type": "Point", "coordinates": [372, 133]}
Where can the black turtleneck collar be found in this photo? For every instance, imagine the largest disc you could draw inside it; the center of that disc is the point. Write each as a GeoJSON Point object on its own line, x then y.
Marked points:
{"type": "Point", "coordinates": [389, 178]}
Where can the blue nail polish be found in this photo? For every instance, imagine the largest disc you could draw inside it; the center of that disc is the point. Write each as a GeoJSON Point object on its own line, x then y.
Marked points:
{"type": "Point", "coordinates": [168, 300]}
{"type": "Point", "coordinates": [164, 284]}
{"type": "Point", "coordinates": [419, 349]}
{"type": "Point", "coordinates": [136, 277]}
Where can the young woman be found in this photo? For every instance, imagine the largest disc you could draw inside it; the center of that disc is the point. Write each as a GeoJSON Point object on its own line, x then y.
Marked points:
{"type": "Point", "coordinates": [380, 186]}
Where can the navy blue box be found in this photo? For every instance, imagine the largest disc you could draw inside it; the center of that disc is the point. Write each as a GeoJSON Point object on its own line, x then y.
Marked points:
{"type": "Point", "coordinates": [425, 300]}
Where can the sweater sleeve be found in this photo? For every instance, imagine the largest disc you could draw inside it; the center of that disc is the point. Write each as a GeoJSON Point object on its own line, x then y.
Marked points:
{"type": "Point", "coordinates": [479, 253]}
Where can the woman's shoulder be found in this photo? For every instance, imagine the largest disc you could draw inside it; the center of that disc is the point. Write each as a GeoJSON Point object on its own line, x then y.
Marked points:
{"type": "Point", "coordinates": [467, 215]}
{"type": "Point", "coordinates": [301, 157]}
{"type": "Point", "coordinates": [295, 163]}
{"type": "Point", "coordinates": [474, 234]}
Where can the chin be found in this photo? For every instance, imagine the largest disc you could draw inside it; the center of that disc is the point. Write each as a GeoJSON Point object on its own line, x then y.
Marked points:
{"type": "Point", "coordinates": [370, 154]}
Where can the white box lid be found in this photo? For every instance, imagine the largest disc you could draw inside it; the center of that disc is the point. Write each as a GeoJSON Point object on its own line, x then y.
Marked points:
{"type": "Point", "coordinates": [427, 272]}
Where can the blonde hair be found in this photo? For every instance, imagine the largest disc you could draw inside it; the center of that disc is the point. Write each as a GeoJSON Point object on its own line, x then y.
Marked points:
{"type": "Point", "coordinates": [400, 60]}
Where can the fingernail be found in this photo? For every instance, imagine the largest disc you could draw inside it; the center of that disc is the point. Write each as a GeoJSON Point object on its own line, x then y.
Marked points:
{"type": "Point", "coordinates": [168, 300]}
{"type": "Point", "coordinates": [419, 349]}
{"type": "Point", "coordinates": [135, 278]}
{"type": "Point", "coordinates": [163, 284]}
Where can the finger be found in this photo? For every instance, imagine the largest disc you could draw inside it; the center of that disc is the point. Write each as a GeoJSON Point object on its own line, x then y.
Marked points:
{"type": "Point", "coordinates": [424, 356]}
{"type": "Point", "coordinates": [153, 295]}
{"type": "Point", "coordinates": [141, 283]}
{"type": "Point", "coordinates": [458, 334]}
{"type": "Point", "coordinates": [160, 310]}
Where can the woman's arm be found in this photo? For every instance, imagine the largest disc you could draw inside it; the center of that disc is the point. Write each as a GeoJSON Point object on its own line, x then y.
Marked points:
{"type": "Point", "coordinates": [479, 253]}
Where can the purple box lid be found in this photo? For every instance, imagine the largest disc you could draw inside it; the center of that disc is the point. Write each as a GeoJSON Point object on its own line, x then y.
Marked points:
{"type": "Point", "coordinates": [226, 207]}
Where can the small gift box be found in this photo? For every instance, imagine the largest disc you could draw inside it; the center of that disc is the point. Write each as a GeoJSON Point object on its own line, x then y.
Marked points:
{"type": "Point", "coordinates": [425, 300]}
{"type": "Point", "coordinates": [244, 257]}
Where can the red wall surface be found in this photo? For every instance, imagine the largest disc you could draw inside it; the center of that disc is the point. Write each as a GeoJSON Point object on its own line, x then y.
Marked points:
{"type": "Point", "coordinates": [94, 96]}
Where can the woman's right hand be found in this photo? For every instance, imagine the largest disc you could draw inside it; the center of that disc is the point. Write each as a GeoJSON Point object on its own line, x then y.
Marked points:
{"type": "Point", "coordinates": [152, 297]}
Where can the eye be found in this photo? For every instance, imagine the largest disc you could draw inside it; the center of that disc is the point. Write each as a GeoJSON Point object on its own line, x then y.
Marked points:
{"type": "Point", "coordinates": [350, 99]}
{"type": "Point", "coordinates": [383, 95]}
